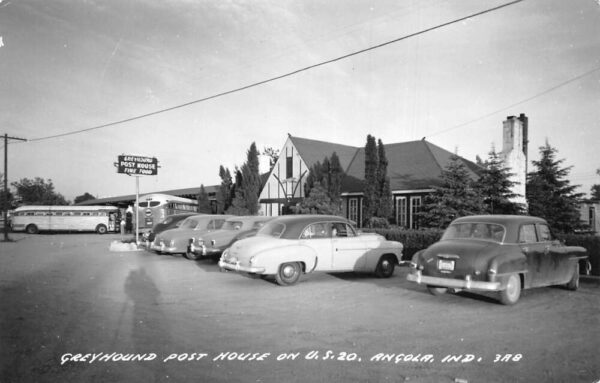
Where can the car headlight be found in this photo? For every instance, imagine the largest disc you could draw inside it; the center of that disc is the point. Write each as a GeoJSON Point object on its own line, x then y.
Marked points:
{"type": "Point", "coordinates": [172, 243]}
{"type": "Point", "coordinates": [252, 260]}
{"type": "Point", "coordinates": [225, 253]}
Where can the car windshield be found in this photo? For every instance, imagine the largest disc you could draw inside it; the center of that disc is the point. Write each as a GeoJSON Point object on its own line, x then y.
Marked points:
{"type": "Point", "coordinates": [232, 225]}
{"type": "Point", "coordinates": [475, 230]}
{"type": "Point", "coordinates": [272, 229]}
{"type": "Point", "coordinates": [189, 223]}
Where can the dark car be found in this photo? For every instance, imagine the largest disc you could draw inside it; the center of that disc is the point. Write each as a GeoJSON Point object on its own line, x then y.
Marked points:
{"type": "Point", "coordinates": [500, 253]}
{"type": "Point", "coordinates": [171, 222]}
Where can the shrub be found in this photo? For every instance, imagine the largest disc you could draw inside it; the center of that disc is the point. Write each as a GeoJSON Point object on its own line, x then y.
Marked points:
{"type": "Point", "coordinates": [413, 240]}
{"type": "Point", "coordinates": [591, 243]}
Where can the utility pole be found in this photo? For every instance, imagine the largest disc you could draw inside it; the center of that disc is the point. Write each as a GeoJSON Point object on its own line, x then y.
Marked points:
{"type": "Point", "coordinates": [6, 138]}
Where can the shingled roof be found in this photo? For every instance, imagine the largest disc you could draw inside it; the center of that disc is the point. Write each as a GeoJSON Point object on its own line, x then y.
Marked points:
{"type": "Point", "coordinates": [413, 165]}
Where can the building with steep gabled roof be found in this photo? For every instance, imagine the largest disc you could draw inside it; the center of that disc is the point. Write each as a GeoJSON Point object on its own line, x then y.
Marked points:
{"type": "Point", "coordinates": [414, 168]}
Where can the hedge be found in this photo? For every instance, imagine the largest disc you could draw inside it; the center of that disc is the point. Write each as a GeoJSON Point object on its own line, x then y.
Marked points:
{"type": "Point", "coordinates": [415, 240]}
{"type": "Point", "coordinates": [591, 243]}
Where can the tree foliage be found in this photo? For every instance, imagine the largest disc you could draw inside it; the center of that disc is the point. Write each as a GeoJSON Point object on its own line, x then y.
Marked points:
{"type": "Point", "coordinates": [38, 192]}
{"type": "Point", "coordinates": [203, 201]}
{"type": "Point", "coordinates": [247, 185]}
{"type": "Point", "coordinates": [550, 194]}
{"type": "Point", "coordinates": [384, 192]}
{"type": "Point", "coordinates": [322, 188]}
{"type": "Point", "coordinates": [84, 197]}
{"type": "Point", "coordinates": [455, 197]}
{"type": "Point", "coordinates": [224, 195]}
{"type": "Point", "coordinates": [273, 155]}
{"type": "Point", "coordinates": [495, 186]}
{"type": "Point", "coordinates": [370, 195]}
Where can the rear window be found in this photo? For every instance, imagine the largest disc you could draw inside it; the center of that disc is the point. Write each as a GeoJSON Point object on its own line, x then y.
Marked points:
{"type": "Point", "coordinates": [482, 231]}
{"type": "Point", "coordinates": [232, 225]}
{"type": "Point", "coordinates": [272, 229]}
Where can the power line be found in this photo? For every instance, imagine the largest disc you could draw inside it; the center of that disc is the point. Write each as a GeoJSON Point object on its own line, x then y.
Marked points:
{"type": "Point", "coordinates": [551, 89]}
{"type": "Point", "coordinates": [288, 74]}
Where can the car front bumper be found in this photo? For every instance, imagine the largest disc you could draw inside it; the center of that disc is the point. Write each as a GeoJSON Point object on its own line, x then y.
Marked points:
{"type": "Point", "coordinates": [237, 267]}
{"type": "Point", "coordinates": [162, 248]}
{"type": "Point", "coordinates": [467, 284]}
{"type": "Point", "coordinates": [203, 250]}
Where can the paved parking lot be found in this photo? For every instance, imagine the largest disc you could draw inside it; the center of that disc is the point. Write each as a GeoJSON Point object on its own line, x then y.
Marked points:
{"type": "Point", "coordinates": [71, 310]}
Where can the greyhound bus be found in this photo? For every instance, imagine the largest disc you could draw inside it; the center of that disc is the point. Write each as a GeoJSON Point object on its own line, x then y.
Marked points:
{"type": "Point", "coordinates": [154, 208]}
{"type": "Point", "coordinates": [33, 219]}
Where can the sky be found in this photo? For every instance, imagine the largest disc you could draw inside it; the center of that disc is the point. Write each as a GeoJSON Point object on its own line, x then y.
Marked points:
{"type": "Point", "coordinates": [69, 66]}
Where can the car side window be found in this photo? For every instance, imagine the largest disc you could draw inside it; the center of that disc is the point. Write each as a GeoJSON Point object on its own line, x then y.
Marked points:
{"type": "Point", "coordinates": [527, 234]}
{"type": "Point", "coordinates": [316, 230]}
{"type": "Point", "coordinates": [341, 229]}
{"type": "Point", "coordinates": [545, 235]}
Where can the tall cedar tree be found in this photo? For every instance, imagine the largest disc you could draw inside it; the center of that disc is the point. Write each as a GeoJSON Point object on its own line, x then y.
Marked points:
{"type": "Point", "coordinates": [550, 194]}
{"type": "Point", "coordinates": [495, 186]}
{"type": "Point", "coordinates": [238, 203]}
{"type": "Point", "coordinates": [455, 198]}
{"type": "Point", "coordinates": [370, 190]}
{"type": "Point", "coordinates": [224, 195]}
{"type": "Point", "coordinates": [38, 192]}
{"type": "Point", "coordinates": [384, 205]}
{"type": "Point", "coordinates": [595, 191]}
{"type": "Point", "coordinates": [251, 180]}
{"type": "Point", "coordinates": [203, 201]}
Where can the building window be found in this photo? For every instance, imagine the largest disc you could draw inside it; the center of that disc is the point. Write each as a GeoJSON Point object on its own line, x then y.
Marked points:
{"type": "Point", "coordinates": [401, 211]}
{"type": "Point", "coordinates": [415, 207]}
{"type": "Point", "coordinates": [353, 209]}
{"type": "Point", "coordinates": [289, 167]}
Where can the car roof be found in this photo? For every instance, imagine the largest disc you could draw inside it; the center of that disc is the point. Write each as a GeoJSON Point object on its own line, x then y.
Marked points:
{"type": "Point", "coordinates": [249, 218]}
{"type": "Point", "coordinates": [297, 222]}
{"type": "Point", "coordinates": [500, 219]}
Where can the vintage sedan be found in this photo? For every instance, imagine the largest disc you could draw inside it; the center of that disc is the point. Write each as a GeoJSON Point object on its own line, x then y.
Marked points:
{"type": "Point", "coordinates": [176, 241]}
{"type": "Point", "coordinates": [171, 222]}
{"type": "Point", "coordinates": [291, 245]}
{"type": "Point", "coordinates": [234, 229]}
{"type": "Point", "coordinates": [499, 253]}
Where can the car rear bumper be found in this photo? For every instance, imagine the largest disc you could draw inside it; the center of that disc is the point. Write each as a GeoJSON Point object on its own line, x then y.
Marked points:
{"type": "Point", "coordinates": [237, 267]}
{"type": "Point", "coordinates": [203, 250]}
{"type": "Point", "coordinates": [467, 284]}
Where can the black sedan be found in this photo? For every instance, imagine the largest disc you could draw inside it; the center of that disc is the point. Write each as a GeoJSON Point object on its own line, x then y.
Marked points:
{"type": "Point", "coordinates": [500, 253]}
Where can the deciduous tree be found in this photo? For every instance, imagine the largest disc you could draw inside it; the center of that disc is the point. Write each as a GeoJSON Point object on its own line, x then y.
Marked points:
{"type": "Point", "coordinates": [38, 192]}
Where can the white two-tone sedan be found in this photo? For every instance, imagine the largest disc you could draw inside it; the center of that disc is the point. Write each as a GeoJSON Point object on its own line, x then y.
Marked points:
{"type": "Point", "coordinates": [292, 245]}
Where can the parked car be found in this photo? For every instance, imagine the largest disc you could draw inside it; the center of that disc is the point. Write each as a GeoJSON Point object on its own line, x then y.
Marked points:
{"type": "Point", "coordinates": [234, 229]}
{"type": "Point", "coordinates": [171, 222]}
{"type": "Point", "coordinates": [176, 241]}
{"type": "Point", "coordinates": [500, 253]}
{"type": "Point", "coordinates": [289, 246]}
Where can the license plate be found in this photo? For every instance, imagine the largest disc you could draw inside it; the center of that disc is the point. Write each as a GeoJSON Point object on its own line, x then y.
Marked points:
{"type": "Point", "coordinates": [445, 265]}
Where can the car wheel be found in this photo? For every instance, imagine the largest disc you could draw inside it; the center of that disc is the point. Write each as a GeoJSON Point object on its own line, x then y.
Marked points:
{"type": "Point", "coordinates": [32, 229]}
{"type": "Point", "coordinates": [192, 256]}
{"type": "Point", "coordinates": [436, 290]}
{"type": "Point", "coordinates": [385, 267]}
{"type": "Point", "coordinates": [288, 273]}
{"type": "Point", "coordinates": [101, 229]}
{"type": "Point", "coordinates": [510, 295]}
{"type": "Point", "coordinates": [573, 284]}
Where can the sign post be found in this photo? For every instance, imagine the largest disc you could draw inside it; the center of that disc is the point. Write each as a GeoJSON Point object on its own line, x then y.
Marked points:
{"type": "Point", "coordinates": [137, 166]}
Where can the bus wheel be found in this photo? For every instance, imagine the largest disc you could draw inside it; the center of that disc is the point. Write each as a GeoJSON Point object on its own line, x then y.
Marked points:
{"type": "Point", "coordinates": [101, 229]}
{"type": "Point", "coordinates": [32, 229]}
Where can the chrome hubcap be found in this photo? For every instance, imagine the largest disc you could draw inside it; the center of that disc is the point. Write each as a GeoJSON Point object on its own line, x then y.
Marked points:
{"type": "Point", "coordinates": [289, 271]}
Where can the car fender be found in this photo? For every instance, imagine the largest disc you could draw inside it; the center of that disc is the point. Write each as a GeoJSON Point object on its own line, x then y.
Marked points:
{"type": "Point", "coordinates": [272, 258]}
{"type": "Point", "coordinates": [506, 264]}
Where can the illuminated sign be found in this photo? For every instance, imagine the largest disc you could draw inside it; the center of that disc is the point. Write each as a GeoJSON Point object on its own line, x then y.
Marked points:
{"type": "Point", "coordinates": [137, 165]}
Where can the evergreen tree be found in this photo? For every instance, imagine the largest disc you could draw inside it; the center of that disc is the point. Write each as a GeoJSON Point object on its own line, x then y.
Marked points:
{"type": "Point", "coordinates": [317, 202]}
{"type": "Point", "coordinates": [251, 180]}
{"type": "Point", "coordinates": [550, 194]}
{"type": "Point", "coordinates": [495, 186]}
{"type": "Point", "coordinates": [454, 198]}
{"type": "Point", "coordinates": [595, 191]}
{"type": "Point", "coordinates": [370, 190]}
{"type": "Point", "coordinates": [203, 201]}
{"type": "Point", "coordinates": [224, 198]}
{"type": "Point", "coordinates": [384, 203]}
